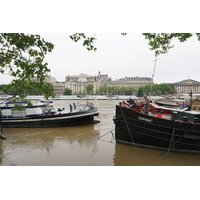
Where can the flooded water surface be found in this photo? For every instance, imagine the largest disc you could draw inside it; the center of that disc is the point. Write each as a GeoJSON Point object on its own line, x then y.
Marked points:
{"type": "Point", "coordinates": [82, 145]}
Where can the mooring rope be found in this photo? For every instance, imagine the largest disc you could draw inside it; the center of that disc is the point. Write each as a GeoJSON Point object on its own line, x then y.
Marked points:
{"type": "Point", "coordinates": [128, 129]}
{"type": "Point", "coordinates": [186, 131]}
{"type": "Point", "coordinates": [170, 144]}
{"type": "Point", "coordinates": [92, 138]}
{"type": "Point", "coordinates": [106, 134]}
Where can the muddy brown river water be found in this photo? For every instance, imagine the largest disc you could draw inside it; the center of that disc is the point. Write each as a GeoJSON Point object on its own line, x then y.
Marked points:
{"type": "Point", "coordinates": [82, 145]}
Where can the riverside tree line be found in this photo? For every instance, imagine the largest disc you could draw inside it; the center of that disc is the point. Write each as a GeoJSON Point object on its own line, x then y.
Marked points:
{"type": "Point", "coordinates": [157, 89]}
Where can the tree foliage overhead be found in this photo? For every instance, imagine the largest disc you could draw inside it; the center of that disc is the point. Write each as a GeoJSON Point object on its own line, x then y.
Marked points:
{"type": "Point", "coordinates": [87, 41]}
{"type": "Point", "coordinates": [161, 43]}
{"type": "Point", "coordinates": [22, 57]}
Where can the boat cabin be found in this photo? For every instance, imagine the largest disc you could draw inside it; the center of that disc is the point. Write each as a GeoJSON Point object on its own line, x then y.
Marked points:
{"type": "Point", "coordinates": [9, 109]}
{"type": "Point", "coordinates": [187, 116]}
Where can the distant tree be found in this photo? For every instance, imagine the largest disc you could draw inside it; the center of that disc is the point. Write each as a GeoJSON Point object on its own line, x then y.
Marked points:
{"type": "Point", "coordinates": [173, 90]}
{"type": "Point", "coordinates": [143, 90]}
{"type": "Point", "coordinates": [130, 90]}
{"type": "Point", "coordinates": [109, 89]}
{"type": "Point", "coordinates": [146, 89]}
{"type": "Point", "coordinates": [67, 91]}
{"type": "Point", "coordinates": [103, 90]}
{"type": "Point", "coordinates": [140, 92]}
{"type": "Point", "coordinates": [117, 90]}
{"type": "Point", "coordinates": [89, 89]}
{"type": "Point", "coordinates": [157, 89]}
{"type": "Point", "coordinates": [165, 89]}
{"type": "Point", "coordinates": [27, 89]}
{"type": "Point", "coordinates": [2, 87]}
{"type": "Point", "coordinates": [12, 90]}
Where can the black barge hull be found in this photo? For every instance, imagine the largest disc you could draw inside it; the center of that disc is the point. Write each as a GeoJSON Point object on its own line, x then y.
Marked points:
{"type": "Point", "coordinates": [138, 129]}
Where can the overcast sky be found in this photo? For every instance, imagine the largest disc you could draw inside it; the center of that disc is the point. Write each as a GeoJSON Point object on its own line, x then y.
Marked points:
{"type": "Point", "coordinates": [120, 56]}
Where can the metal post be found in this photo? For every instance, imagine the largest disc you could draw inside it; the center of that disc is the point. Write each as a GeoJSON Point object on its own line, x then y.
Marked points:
{"type": "Point", "coordinates": [153, 75]}
{"type": "Point", "coordinates": [191, 98]}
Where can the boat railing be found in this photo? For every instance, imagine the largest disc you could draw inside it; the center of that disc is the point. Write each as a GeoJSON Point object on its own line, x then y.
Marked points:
{"type": "Point", "coordinates": [139, 107]}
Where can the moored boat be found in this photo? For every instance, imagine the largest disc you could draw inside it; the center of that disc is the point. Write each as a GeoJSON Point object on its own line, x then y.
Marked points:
{"type": "Point", "coordinates": [95, 97]}
{"type": "Point", "coordinates": [171, 102]}
{"type": "Point", "coordinates": [67, 97]}
{"type": "Point", "coordinates": [171, 129]}
{"type": "Point", "coordinates": [44, 114]}
{"type": "Point", "coordinates": [61, 97]}
{"type": "Point", "coordinates": [123, 97]}
{"type": "Point", "coordinates": [4, 96]}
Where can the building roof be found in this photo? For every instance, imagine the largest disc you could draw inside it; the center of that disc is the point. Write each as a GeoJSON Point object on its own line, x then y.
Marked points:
{"type": "Point", "coordinates": [187, 82]}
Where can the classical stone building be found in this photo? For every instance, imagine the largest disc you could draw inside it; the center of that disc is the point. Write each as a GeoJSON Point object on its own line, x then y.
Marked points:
{"type": "Point", "coordinates": [50, 79]}
{"type": "Point", "coordinates": [59, 88]}
{"type": "Point", "coordinates": [78, 83]}
{"type": "Point", "coordinates": [135, 82]}
{"type": "Point", "coordinates": [186, 86]}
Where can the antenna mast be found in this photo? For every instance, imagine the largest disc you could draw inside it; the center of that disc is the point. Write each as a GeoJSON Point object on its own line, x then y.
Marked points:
{"type": "Point", "coordinates": [153, 74]}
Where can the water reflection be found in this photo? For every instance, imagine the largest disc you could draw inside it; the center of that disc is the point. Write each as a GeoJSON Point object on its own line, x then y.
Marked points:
{"type": "Point", "coordinates": [31, 146]}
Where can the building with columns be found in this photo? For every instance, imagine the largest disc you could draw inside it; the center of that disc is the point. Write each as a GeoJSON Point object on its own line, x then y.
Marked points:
{"type": "Point", "coordinates": [78, 83]}
{"type": "Point", "coordinates": [186, 86]}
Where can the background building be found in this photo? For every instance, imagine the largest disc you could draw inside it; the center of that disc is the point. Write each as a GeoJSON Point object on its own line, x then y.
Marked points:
{"type": "Point", "coordinates": [58, 86]}
{"type": "Point", "coordinates": [78, 83]}
{"type": "Point", "coordinates": [135, 82]}
{"type": "Point", "coordinates": [186, 86]}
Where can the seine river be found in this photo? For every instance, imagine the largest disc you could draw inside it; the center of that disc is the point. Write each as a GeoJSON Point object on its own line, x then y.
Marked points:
{"type": "Point", "coordinates": [82, 145]}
